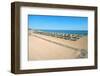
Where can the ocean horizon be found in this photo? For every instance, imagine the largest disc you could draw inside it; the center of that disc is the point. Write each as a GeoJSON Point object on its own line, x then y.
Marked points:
{"type": "Point", "coordinates": [81, 32]}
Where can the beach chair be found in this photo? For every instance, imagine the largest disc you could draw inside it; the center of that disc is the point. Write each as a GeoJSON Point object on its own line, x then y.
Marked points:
{"type": "Point", "coordinates": [74, 37]}
{"type": "Point", "coordinates": [66, 36]}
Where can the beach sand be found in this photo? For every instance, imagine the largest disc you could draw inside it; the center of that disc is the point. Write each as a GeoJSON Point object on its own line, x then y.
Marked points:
{"type": "Point", "coordinates": [43, 47]}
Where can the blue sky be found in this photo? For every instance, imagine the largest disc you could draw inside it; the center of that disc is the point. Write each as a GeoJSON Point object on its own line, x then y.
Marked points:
{"type": "Point", "coordinates": [57, 22]}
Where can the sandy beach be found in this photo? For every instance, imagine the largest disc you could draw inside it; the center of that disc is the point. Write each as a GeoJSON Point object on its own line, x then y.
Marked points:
{"type": "Point", "coordinates": [42, 47]}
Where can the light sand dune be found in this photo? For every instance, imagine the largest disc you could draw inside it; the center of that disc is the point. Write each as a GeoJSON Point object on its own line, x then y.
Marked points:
{"type": "Point", "coordinates": [43, 47]}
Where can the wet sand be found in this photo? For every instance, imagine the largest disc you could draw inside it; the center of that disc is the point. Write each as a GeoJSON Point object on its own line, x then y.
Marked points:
{"type": "Point", "coordinates": [43, 47]}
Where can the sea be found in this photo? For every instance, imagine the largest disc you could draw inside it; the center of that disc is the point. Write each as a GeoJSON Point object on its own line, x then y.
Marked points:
{"type": "Point", "coordinates": [80, 32]}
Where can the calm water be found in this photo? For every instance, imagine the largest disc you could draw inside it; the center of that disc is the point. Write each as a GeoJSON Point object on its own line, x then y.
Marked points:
{"type": "Point", "coordinates": [68, 31]}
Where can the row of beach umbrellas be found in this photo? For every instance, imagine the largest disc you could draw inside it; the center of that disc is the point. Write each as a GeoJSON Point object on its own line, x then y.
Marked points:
{"type": "Point", "coordinates": [72, 37]}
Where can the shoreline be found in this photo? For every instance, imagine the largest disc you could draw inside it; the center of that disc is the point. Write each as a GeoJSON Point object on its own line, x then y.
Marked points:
{"type": "Point", "coordinates": [67, 36]}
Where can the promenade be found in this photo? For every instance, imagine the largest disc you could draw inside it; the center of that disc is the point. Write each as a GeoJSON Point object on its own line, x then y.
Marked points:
{"type": "Point", "coordinates": [42, 47]}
